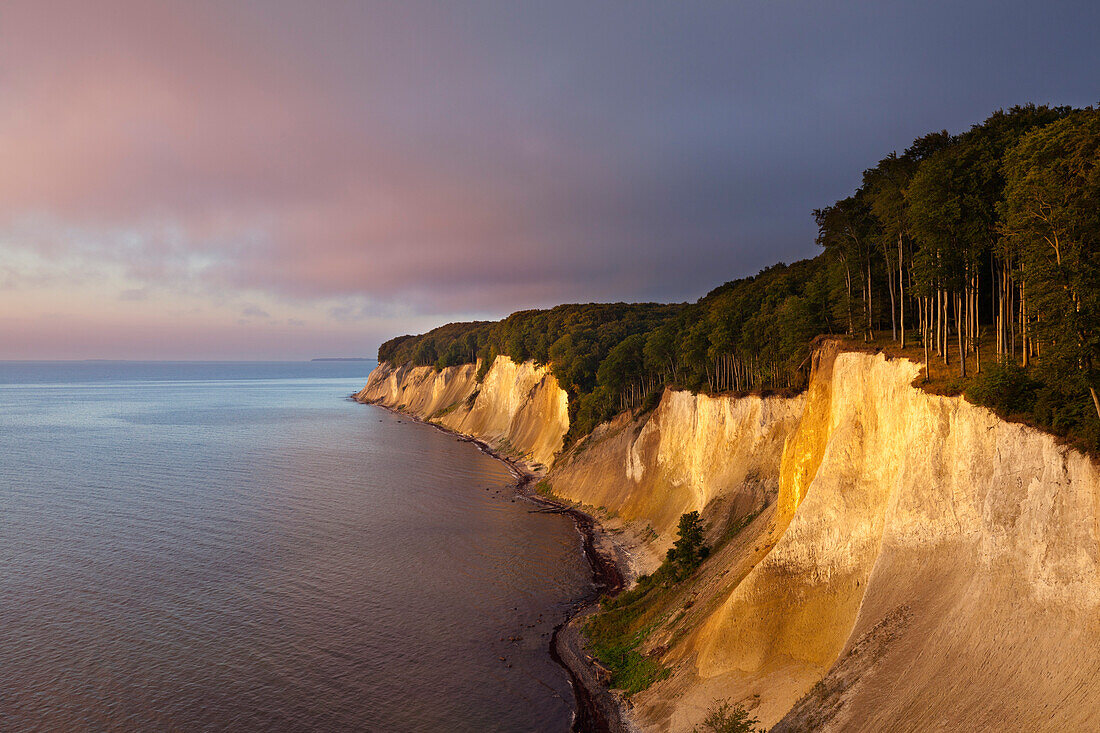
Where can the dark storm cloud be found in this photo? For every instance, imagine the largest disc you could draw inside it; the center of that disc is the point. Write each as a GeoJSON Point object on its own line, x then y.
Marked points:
{"type": "Point", "coordinates": [485, 156]}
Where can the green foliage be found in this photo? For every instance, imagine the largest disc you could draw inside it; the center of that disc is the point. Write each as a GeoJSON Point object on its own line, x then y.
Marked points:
{"type": "Point", "coordinates": [631, 671]}
{"type": "Point", "coordinates": [1051, 212]}
{"type": "Point", "coordinates": [623, 622]}
{"type": "Point", "coordinates": [990, 234]}
{"type": "Point", "coordinates": [615, 633]}
{"type": "Point", "coordinates": [1065, 409]}
{"type": "Point", "coordinates": [1005, 387]}
{"type": "Point", "coordinates": [735, 527]}
{"type": "Point", "coordinates": [445, 411]}
{"type": "Point", "coordinates": [618, 629]}
{"type": "Point", "coordinates": [726, 718]}
{"type": "Point", "coordinates": [449, 345]}
{"type": "Point", "coordinates": [688, 550]}
{"type": "Point", "coordinates": [749, 334]}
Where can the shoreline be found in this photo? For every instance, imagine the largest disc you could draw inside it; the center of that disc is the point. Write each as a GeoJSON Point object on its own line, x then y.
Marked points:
{"type": "Point", "coordinates": [597, 709]}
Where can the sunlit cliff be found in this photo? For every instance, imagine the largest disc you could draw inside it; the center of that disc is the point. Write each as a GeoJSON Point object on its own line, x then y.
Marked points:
{"type": "Point", "coordinates": [518, 409]}
{"type": "Point", "coordinates": [913, 562]}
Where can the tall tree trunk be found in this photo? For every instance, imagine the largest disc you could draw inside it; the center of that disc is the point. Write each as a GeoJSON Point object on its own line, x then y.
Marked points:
{"type": "Point", "coordinates": [1024, 345]}
{"type": "Point", "coordinates": [870, 314]}
{"type": "Point", "coordinates": [977, 327]}
{"type": "Point", "coordinates": [960, 328]}
{"type": "Point", "coordinates": [901, 291]}
{"type": "Point", "coordinates": [848, 283]}
{"type": "Point", "coordinates": [890, 288]}
{"type": "Point", "coordinates": [933, 322]}
{"type": "Point", "coordinates": [999, 317]}
{"type": "Point", "coordinates": [1010, 307]}
{"type": "Point", "coordinates": [938, 321]}
{"type": "Point", "coordinates": [926, 334]}
{"type": "Point", "coordinates": [945, 342]}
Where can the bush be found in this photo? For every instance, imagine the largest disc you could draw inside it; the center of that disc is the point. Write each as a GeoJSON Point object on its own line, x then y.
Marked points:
{"type": "Point", "coordinates": [1060, 406]}
{"type": "Point", "coordinates": [1069, 413]}
{"type": "Point", "coordinates": [1004, 387]}
{"type": "Point", "coordinates": [616, 633]}
{"type": "Point", "coordinates": [726, 718]}
{"type": "Point", "coordinates": [618, 630]}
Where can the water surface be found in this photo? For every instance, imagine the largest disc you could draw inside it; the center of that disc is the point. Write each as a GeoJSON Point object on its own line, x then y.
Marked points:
{"type": "Point", "coordinates": [238, 547]}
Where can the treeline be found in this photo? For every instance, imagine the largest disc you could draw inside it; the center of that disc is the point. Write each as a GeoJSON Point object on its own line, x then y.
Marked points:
{"type": "Point", "coordinates": [748, 334]}
{"type": "Point", "coordinates": [986, 242]}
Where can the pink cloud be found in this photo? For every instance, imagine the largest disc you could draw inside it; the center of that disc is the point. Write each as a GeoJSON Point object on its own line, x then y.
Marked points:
{"type": "Point", "coordinates": [296, 164]}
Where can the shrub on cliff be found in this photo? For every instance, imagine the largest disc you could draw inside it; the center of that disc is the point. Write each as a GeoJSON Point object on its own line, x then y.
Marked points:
{"type": "Point", "coordinates": [688, 550]}
{"type": "Point", "coordinates": [1058, 405]}
{"type": "Point", "coordinates": [726, 718]}
{"type": "Point", "coordinates": [618, 632]}
{"type": "Point", "coordinates": [1005, 387]}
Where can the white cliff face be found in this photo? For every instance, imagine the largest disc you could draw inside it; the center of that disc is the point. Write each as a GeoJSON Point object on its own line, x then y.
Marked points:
{"type": "Point", "coordinates": [691, 451]}
{"type": "Point", "coordinates": [979, 545]}
{"type": "Point", "coordinates": [420, 391]}
{"type": "Point", "coordinates": [518, 409]}
{"type": "Point", "coordinates": [935, 566]}
{"type": "Point", "coordinates": [969, 537]}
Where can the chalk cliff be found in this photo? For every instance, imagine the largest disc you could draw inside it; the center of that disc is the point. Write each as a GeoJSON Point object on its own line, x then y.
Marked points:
{"type": "Point", "coordinates": [691, 453]}
{"type": "Point", "coordinates": [518, 409]}
{"type": "Point", "coordinates": [907, 561]}
{"type": "Point", "coordinates": [924, 565]}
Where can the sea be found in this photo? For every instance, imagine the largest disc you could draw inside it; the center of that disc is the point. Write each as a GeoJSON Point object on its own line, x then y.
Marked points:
{"type": "Point", "coordinates": [238, 546]}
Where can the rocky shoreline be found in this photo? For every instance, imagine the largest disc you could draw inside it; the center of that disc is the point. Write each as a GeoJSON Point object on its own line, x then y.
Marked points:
{"type": "Point", "coordinates": [598, 709]}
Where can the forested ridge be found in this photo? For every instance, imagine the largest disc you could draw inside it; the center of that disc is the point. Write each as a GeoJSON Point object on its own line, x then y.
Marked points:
{"type": "Point", "coordinates": [980, 250]}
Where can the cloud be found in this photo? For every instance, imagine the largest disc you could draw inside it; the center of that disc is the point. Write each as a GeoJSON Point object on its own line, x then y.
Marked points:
{"type": "Point", "coordinates": [254, 311]}
{"type": "Point", "coordinates": [375, 160]}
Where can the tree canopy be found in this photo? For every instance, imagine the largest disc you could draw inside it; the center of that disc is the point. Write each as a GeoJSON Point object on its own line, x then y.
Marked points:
{"type": "Point", "coordinates": [748, 334]}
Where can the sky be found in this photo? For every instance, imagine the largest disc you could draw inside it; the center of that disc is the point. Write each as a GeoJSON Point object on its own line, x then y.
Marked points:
{"type": "Point", "coordinates": [289, 180]}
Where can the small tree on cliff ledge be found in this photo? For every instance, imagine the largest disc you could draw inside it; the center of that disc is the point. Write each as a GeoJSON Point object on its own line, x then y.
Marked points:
{"type": "Point", "coordinates": [688, 550]}
{"type": "Point", "coordinates": [727, 718]}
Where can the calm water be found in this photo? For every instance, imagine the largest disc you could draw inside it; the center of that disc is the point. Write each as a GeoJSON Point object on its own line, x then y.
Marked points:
{"type": "Point", "coordinates": [237, 547]}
